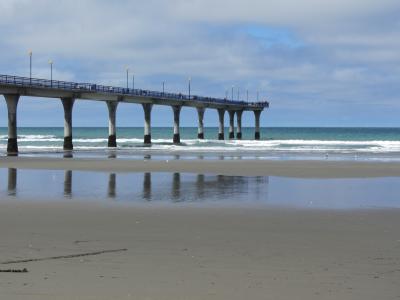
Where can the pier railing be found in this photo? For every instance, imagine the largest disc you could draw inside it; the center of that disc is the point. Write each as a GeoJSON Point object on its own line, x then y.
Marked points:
{"type": "Point", "coordinates": [97, 88]}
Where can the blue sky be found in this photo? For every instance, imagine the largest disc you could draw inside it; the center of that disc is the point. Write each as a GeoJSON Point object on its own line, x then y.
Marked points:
{"type": "Point", "coordinates": [319, 63]}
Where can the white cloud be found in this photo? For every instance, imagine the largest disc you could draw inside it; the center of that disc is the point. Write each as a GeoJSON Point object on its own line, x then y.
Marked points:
{"type": "Point", "coordinates": [347, 49]}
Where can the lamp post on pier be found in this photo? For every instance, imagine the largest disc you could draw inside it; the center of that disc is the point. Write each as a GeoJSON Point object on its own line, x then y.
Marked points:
{"type": "Point", "coordinates": [190, 79]}
{"type": "Point", "coordinates": [51, 72]}
{"type": "Point", "coordinates": [30, 66]}
{"type": "Point", "coordinates": [163, 87]}
{"type": "Point", "coordinates": [133, 81]}
{"type": "Point", "coordinates": [127, 76]}
{"type": "Point", "coordinates": [232, 92]}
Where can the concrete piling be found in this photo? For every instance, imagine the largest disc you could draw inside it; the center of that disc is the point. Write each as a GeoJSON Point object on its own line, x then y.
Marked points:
{"type": "Point", "coordinates": [147, 122]}
{"type": "Point", "coordinates": [200, 131]}
{"type": "Point", "coordinates": [239, 124]}
{"type": "Point", "coordinates": [68, 104]}
{"type": "Point", "coordinates": [176, 109]}
{"type": "Point", "coordinates": [231, 124]}
{"type": "Point", "coordinates": [112, 132]}
{"type": "Point", "coordinates": [12, 102]}
{"type": "Point", "coordinates": [257, 114]}
{"type": "Point", "coordinates": [221, 128]}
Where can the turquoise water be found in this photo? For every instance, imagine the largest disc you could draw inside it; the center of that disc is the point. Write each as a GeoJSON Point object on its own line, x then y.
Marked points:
{"type": "Point", "coordinates": [369, 143]}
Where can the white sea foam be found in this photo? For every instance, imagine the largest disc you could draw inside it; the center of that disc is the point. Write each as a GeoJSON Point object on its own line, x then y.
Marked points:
{"type": "Point", "coordinates": [52, 142]}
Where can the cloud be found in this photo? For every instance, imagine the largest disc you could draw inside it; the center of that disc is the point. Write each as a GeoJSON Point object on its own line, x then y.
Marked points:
{"type": "Point", "coordinates": [297, 53]}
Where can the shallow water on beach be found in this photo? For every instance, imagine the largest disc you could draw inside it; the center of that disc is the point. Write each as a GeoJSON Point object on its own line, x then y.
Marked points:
{"type": "Point", "coordinates": [183, 188]}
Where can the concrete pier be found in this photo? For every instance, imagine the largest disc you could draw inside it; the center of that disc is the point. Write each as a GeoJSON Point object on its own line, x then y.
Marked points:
{"type": "Point", "coordinates": [257, 114]}
{"type": "Point", "coordinates": [12, 102]}
{"type": "Point", "coordinates": [200, 130]}
{"type": "Point", "coordinates": [147, 122]}
{"type": "Point", "coordinates": [112, 132]}
{"type": "Point", "coordinates": [221, 128]}
{"type": "Point", "coordinates": [68, 104]}
{"type": "Point", "coordinates": [231, 124]}
{"type": "Point", "coordinates": [239, 124]}
{"type": "Point", "coordinates": [177, 110]}
{"type": "Point", "coordinates": [12, 87]}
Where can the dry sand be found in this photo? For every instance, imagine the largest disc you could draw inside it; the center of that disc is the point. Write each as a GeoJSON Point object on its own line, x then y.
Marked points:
{"type": "Point", "coordinates": [183, 252]}
{"type": "Point", "coordinates": [316, 169]}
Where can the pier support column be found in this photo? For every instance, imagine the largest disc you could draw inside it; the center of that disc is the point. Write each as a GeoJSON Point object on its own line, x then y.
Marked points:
{"type": "Point", "coordinates": [112, 132]}
{"type": "Point", "coordinates": [221, 114]}
{"type": "Point", "coordinates": [68, 103]}
{"type": "Point", "coordinates": [177, 110]}
{"type": "Point", "coordinates": [231, 124]}
{"type": "Point", "coordinates": [257, 114]}
{"type": "Point", "coordinates": [147, 122]}
{"type": "Point", "coordinates": [239, 124]}
{"type": "Point", "coordinates": [12, 102]}
{"type": "Point", "coordinates": [200, 130]}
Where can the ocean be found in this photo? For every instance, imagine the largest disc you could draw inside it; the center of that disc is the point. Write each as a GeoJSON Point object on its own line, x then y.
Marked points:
{"type": "Point", "coordinates": [275, 143]}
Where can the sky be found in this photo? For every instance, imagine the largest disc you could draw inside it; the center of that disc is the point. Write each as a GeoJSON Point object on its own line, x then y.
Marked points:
{"type": "Point", "coordinates": [318, 62]}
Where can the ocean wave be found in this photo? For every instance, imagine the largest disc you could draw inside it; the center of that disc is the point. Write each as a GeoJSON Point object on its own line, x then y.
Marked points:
{"type": "Point", "coordinates": [52, 142]}
{"type": "Point", "coordinates": [31, 136]}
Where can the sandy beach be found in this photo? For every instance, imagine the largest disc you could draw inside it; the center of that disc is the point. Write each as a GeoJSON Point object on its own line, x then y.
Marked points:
{"type": "Point", "coordinates": [247, 167]}
{"type": "Point", "coordinates": [75, 249]}
{"type": "Point", "coordinates": [197, 253]}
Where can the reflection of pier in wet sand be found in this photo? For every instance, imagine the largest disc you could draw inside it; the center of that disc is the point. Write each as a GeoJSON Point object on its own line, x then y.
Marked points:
{"type": "Point", "coordinates": [112, 178]}
{"type": "Point", "coordinates": [12, 182]}
{"type": "Point", "coordinates": [182, 187]}
{"type": "Point", "coordinates": [147, 186]}
{"type": "Point", "coordinates": [68, 183]}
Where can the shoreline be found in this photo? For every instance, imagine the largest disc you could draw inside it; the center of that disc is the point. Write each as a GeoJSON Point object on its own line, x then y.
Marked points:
{"type": "Point", "coordinates": [250, 167]}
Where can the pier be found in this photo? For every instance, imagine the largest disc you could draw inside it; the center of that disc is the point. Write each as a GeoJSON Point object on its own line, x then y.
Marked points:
{"type": "Point", "coordinates": [13, 87]}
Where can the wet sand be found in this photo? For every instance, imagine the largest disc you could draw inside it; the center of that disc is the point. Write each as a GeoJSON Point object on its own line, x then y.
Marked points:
{"type": "Point", "coordinates": [303, 169]}
{"type": "Point", "coordinates": [183, 252]}
{"type": "Point", "coordinates": [73, 249]}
